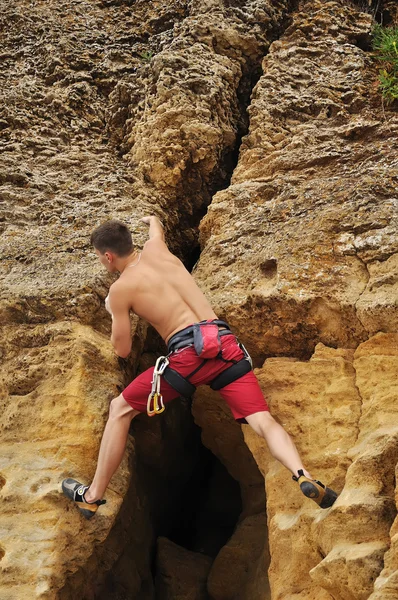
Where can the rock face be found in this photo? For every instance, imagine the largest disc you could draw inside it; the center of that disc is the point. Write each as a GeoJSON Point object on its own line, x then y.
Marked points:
{"type": "Point", "coordinates": [340, 410]}
{"type": "Point", "coordinates": [58, 379]}
{"type": "Point", "coordinates": [238, 567]}
{"type": "Point", "coordinates": [106, 121]}
{"type": "Point", "coordinates": [299, 253]}
{"type": "Point", "coordinates": [302, 246]}
{"type": "Point", "coordinates": [120, 109]}
{"type": "Point", "coordinates": [173, 559]}
{"type": "Point", "coordinates": [106, 114]}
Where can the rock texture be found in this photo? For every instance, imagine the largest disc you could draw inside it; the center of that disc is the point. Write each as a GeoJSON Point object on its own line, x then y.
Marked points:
{"type": "Point", "coordinates": [58, 379]}
{"type": "Point", "coordinates": [302, 246]}
{"type": "Point", "coordinates": [340, 412]}
{"type": "Point", "coordinates": [105, 114]}
{"type": "Point", "coordinates": [171, 560]}
{"type": "Point", "coordinates": [234, 571]}
{"type": "Point", "coordinates": [299, 253]}
{"type": "Point", "coordinates": [119, 109]}
{"type": "Point", "coordinates": [102, 120]}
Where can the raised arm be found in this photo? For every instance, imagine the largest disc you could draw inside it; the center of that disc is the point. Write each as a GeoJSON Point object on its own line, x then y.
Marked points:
{"type": "Point", "coordinates": [155, 227]}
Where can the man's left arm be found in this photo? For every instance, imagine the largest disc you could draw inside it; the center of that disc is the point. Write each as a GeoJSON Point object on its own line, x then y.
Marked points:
{"type": "Point", "coordinates": [121, 325]}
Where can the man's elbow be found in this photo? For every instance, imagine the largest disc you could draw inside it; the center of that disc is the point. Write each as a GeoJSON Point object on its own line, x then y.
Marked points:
{"type": "Point", "coordinates": [122, 353]}
{"type": "Point", "coordinates": [122, 349]}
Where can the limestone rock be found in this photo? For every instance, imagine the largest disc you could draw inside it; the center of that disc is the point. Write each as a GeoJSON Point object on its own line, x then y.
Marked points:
{"type": "Point", "coordinates": [173, 562]}
{"type": "Point", "coordinates": [339, 410]}
{"type": "Point", "coordinates": [57, 383]}
{"type": "Point", "coordinates": [302, 246]}
{"type": "Point", "coordinates": [241, 566]}
{"type": "Point", "coordinates": [357, 532]}
{"type": "Point", "coordinates": [81, 145]}
{"type": "Point", "coordinates": [235, 573]}
{"type": "Point", "coordinates": [100, 124]}
{"type": "Point", "coordinates": [120, 109]}
{"type": "Point", "coordinates": [223, 436]}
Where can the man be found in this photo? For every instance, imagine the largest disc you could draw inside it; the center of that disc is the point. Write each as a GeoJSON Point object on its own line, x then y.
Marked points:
{"type": "Point", "coordinates": [202, 350]}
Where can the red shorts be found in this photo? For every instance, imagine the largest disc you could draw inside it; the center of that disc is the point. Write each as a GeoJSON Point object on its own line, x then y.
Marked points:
{"type": "Point", "coordinates": [243, 396]}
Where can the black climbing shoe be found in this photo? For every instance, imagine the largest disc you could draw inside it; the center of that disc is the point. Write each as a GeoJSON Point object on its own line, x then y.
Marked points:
{"type": "Point", "coordinates": [315, 490]}
{"type": "Point", "coordinates": [75, 491]}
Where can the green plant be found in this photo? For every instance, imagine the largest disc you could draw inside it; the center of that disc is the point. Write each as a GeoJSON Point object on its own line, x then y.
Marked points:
{"type": "Point", "coordinates": [146, 56]}
{"type": "Point", "coordinates": [385, 45]}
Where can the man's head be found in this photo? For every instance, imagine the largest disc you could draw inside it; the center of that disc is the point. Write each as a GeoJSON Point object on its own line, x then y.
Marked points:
{"type": "Point", "coordinates": [112, 240]}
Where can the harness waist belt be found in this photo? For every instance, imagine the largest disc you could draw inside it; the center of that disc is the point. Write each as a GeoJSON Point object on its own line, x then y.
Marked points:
{"type": "Point", "coordinates": [183, 384]}
{"type": "Point", "coordinates": [185, 336]}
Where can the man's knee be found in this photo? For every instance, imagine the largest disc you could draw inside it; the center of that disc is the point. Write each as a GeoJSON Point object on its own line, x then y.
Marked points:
{"type": "Point", "coordinates": [261, 422]}
{"type": "Point", "coordinates": [119, 409]}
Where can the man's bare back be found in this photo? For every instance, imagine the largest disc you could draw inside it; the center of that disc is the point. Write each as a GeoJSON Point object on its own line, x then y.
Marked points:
{"type": "Point", "coordinates": [157, 287]}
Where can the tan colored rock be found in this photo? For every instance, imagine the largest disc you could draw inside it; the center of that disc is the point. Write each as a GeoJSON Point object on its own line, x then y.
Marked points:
{"type": "Point", "coordinates": [386, 585]}
{"type": "Point", "coordinates": [106, 114]}
{"type": "Point", "coordinates": [241, 565]}
{"type": "Point", "coordinates": [341, 414]}
{"type": "Point", "coordinates": [118, 110]}
{"type": "Point", "coordinates": [356, 535]}
{"type": "Point", "coordinates": [57, 384]}
{"type": "Point", "coordinates": [113, 128]}
{"type": "Point", "coordinates": [302, 246]}
{"type": "Point", "coordinates": [223, 436]}
{"type": "Point", "coordinates": [318, 404]}
{"type": "Point", "coordinates": [235, 573]}
{"type": "Point", "coordinates": [181, 574]}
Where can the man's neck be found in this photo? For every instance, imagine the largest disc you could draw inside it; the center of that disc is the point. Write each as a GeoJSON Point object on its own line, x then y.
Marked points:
{"type": "Point", "coordinates": [128, 261]}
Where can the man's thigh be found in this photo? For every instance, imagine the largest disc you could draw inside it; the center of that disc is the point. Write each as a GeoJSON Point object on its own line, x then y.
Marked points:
{"type": "Point", "coordinates": [137, 392]}
{"type": "Point", "coordinates": [244, 397]}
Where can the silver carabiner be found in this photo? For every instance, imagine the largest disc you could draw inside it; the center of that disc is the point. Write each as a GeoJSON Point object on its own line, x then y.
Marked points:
{"type": "Point", "coordinates": [161, 364]}
{"type": "Point", "coordinates": [247, 355]}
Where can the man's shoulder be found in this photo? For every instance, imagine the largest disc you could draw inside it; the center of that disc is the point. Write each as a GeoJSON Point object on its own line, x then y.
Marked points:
{"type": "Point", "coordinates": [155, 244]}
{"type": "Point", "coordinates": [120, 288]}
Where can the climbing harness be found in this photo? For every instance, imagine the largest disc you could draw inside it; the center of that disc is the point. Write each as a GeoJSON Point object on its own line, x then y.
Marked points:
{"type": "Point", "coordinates": [205, 337]}
{"type": "Point", "coordinates": [155, 398]}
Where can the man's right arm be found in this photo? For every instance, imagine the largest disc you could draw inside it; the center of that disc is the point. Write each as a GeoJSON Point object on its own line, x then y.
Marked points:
{"type": "Point", "coordinates": [155, 227]}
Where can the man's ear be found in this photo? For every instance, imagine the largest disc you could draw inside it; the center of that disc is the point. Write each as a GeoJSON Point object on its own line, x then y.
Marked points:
{"type": "Point", "coordinates": [109, 257]}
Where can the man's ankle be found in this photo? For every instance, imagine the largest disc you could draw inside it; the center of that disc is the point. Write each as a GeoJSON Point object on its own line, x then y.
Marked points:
{"type": "Point", "coordinates": [90, 496]}
{"type": "Point", "coordinates": [300, 472]}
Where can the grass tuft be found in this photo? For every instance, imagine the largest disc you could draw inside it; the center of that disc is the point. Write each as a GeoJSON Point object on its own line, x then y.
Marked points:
{"type": "Point", "coordinates": [385, 45]}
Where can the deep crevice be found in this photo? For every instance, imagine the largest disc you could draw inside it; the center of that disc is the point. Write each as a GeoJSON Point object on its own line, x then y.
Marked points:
{"type": "Point", "coordinates": [204, 505]}
{"type": "Point", "coordinates": [381, 11]}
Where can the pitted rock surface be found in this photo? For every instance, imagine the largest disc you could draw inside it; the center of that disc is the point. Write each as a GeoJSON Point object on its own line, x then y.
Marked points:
{"type": "Point", "coordinates": [112, 109]}
{"type": "Point", "coordinates": [302, 246]}
{"type": "Point", "coordinates": [339, 411]}
{"type": "Point", "coordinates": [122, 108]}
{"type": "Point", "coordinates": [104, 116]}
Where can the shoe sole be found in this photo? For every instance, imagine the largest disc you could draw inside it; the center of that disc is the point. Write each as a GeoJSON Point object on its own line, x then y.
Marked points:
{"type": "Point", "coordinates": [324, 497]}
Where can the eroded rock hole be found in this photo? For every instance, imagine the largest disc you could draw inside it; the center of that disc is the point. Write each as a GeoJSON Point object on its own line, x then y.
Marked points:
{"type": "Point", "coordinates": [269, 268]}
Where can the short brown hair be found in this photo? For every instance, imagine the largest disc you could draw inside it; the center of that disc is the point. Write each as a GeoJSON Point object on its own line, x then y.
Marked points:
{"type": "Point", "coordinates": [113, 236]}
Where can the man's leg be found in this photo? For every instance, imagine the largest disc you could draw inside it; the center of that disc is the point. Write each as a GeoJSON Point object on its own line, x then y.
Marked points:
{"type": "Point", "coordinates": [278, 440]}
{"type": "Point", "coordinates": [113, 445]}
{"type": "Point", "coordinates": [283, 449]}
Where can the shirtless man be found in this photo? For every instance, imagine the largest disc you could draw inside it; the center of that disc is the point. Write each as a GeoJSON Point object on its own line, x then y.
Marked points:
{"type": "Point", "coordinates": [155, 285]}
